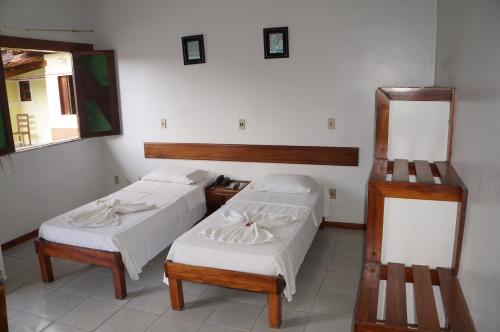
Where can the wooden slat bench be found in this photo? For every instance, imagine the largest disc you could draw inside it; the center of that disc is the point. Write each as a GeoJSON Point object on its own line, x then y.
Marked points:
{"type": "Point", "coordinates": [422, 278]}
{"type": "Point", "coordinates": [433, 181]}
{"type": "Point", "coordinates": [416, 180]}
{"type": "Point", "coordinates": [411, 180]}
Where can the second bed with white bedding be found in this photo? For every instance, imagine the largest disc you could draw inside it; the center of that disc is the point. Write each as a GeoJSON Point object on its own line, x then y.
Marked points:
{"type": "Point", "coordinates": [283, 256]}
{"type": "Point", "coordinates": [141, 235]}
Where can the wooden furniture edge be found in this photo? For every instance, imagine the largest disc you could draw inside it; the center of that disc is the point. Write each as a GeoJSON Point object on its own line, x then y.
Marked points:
{"type": "Point", "coordinates": [20, 239]}
{"type": "Point", "coordinates": [454, 303]}
{"type": "Point", "coordinates": [4, 326]}
{"type": "Point", "coordinates": [113, 260]}
{"type": "Point", "coordinates": [451, 188]}
{"type": "Point", "coordinates": [286, 154]}
{"type": "Point", "coordinates": [383, 97]}
{"type": "Point", "coordinates": [422, 191]}
{"type": "Point", "coordinates": [367, 301]}
{"type": "Point", "coordinates": [42, 44]}
{"type": "Point", "coordinates": [343, 225]}
{"type": "Point", "coordinates": [273, 286]}
{"type": "Point", "coordinates": [457, 311]}
{"type": "Point", "coordinates": [418, 93]}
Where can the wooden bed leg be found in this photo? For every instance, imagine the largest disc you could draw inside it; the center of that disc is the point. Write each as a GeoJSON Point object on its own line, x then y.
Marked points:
{"type": "Point", "coordinates": [3, 309]}
{"type": "Point", "coordinates": [45, 267]}
{"type": "Point", "coordinates": [176, 294]}
{"type": "Point", "coordinates": [119, 281]}
{"type": "Point", "coordinates": [274, 305]}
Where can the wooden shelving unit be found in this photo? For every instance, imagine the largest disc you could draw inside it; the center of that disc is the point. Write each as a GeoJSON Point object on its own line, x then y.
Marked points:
{"type": "Point", "coordinates": [416, 180]}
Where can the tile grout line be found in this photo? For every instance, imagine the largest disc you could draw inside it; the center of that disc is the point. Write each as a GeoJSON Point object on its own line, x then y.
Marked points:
{"type": "Point", "coordinates": [259, 315]}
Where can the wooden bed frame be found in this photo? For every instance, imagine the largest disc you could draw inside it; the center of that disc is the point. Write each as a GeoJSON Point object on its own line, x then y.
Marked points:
{"type": "Point", "coordinates": [3, 310]}
{"type": "Point", "coordinates": [113, 260]}
{"type": "Point", "coordinates": [273, 286]}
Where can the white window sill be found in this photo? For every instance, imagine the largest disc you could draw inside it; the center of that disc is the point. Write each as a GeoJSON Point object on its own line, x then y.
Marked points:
{"type": "Point", "coordinates": [35, 147]}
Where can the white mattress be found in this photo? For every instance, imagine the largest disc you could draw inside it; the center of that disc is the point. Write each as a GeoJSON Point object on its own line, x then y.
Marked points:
{"type": "Point", "coordinates": [282, 257]}
{"type": "Point", "coordinates": [141, 235]}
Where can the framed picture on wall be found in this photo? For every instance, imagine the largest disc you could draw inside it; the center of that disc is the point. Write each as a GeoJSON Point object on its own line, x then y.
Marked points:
{"type": "Point", "coordinates": [193, 49]}
{"type": "Point", "coordinates": [276, 43]}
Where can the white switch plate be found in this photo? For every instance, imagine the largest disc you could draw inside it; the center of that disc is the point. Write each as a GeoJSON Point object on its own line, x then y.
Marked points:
{"type": "Point", "coordinates": [333, 193]}
{"type": "Point", "coordinates": [242, 124]}
{"type": "Point", "coordinates": [331, 123]}
{"type": "Point", "coordinates": [163, 123]}
{"type": "Point", "coordinates": [116, 179]}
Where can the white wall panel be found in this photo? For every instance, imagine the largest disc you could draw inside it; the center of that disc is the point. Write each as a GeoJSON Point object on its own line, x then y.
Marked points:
{"type": "Point", "coordinates": [418, 232]}
{"type": "Point", "coordinates": [418, 130]}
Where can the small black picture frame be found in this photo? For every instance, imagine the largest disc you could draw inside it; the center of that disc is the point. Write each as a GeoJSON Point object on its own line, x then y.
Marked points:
{"type": "Point", "coordinates": [193, 49]}
{"type": "Point", "coordinates": [276, 43]}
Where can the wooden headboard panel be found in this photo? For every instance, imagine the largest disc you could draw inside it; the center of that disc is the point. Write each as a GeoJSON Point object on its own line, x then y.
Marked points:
{"type": "Point", "coordinates": [285, 154]}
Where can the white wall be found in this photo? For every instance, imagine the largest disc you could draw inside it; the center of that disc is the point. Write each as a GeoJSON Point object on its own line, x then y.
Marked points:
{"type": "Point", "coordinates": [340, 52]}
{"type": "Point", "coordinates": [43, 183]}
{"type": "Point", "coordinates": [468, 57]}
{"type": "Point", "coordinates": [418, 232]}
{"type": "Point", "coordinates": [47, 181]}
{"type": "Point", "coordinates": [418, 130]}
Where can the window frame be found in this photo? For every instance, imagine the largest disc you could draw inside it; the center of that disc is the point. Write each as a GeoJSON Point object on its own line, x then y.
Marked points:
{"type": "Point", "coordinates": [67, 88]}
{"type": "Point", "coordinates": [48, 45]}
{"type": "Point", "coordinates": [23, 91]}
{"type": "Point", "coordinates": [5, 114]}
{"type": "Point", "coordinates": [78, 79]}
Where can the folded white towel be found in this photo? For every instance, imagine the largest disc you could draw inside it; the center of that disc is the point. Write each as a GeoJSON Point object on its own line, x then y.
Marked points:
{"type": "Point", "coordinates": [106, 213]}
{"type": "Point", "coordinates": [247, 227]}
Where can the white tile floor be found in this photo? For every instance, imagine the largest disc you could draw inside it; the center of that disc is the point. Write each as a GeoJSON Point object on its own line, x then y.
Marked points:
{"type": "Point", "coordinates": [82, 297]}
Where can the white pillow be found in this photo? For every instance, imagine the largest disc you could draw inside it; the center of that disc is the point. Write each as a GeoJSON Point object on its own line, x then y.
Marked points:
{"type": "Point", "coordinates": [176, 174]}
{"type": "Point", "coordinates": [285, 183]}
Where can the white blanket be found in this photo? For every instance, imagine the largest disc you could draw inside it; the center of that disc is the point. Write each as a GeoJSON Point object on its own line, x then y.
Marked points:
{"type": "Point", "coordinates": [283, 256]}
{"type": "Point", "coordinates": [247, 227]}
{"type": "Point", "coordinates": [106, 213]}
{"type": "Point", "coordinates": [141, 235]}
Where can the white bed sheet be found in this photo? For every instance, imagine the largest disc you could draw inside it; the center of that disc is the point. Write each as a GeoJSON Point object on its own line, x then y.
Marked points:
{"type": "Point", "coordinates": [142, 235]}
{"type": "Point", "coordinates": [282, 257]}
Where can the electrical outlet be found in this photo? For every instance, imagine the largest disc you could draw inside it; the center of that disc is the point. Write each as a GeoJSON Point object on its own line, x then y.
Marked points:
{"type": "Point", "coordinates": [331, 123]}
{"type": "Point", "coordinates": [242, 124]}
{"type": "Point", "coordinates": [163, 123]}
{"type": "Point", "coordinates": [117, 179]}
{"type": "Point", "coordinates": [333, 193]}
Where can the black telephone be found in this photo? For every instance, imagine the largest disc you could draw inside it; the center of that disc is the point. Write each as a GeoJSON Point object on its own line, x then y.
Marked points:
{"type": "Point", "coordinates": [221, 180]}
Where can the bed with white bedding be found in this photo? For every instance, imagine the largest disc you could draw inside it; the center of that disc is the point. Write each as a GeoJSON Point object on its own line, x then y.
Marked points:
{"type": "Point", "coordinates": [196, 257]}
{"type": "Point", "coordinates": [137, 238]}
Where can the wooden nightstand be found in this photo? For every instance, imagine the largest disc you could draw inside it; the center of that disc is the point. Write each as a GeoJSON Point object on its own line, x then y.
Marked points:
{"type": "Point", "coordinates": [219, 196]}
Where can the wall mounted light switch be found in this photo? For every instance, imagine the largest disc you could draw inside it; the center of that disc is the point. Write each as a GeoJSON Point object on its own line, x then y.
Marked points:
{"type": "Point", "coordinates": [333, 193]}
{"type": "Point", "coordinates": [331, 123]}
{"type": "Point", "coordinates": [242, 124]}
{"type": "Point", "coordinates": [163, 123]}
